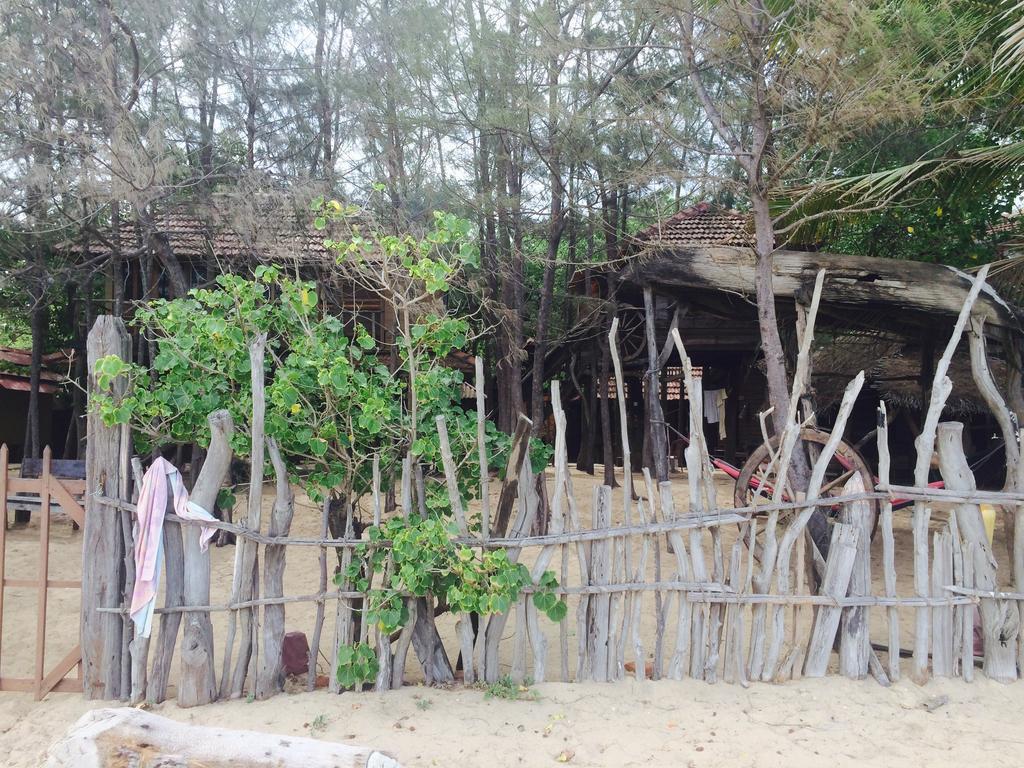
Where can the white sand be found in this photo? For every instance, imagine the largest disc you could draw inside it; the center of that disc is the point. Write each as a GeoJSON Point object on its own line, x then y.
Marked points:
{"type": "Point", "coordinates": [831, 722]}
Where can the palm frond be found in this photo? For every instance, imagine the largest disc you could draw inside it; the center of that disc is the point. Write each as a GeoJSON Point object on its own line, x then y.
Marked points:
{"type": "Point", "coordinates": [1007, 274]}
{"type": "Point", "coordinates": [1009, 56]}
{"type": "Point", "coordinates": [809, 212]}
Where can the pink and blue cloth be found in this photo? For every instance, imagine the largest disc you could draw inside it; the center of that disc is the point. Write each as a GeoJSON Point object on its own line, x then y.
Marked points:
{"type": "Point", "coordinates": [149, 536]}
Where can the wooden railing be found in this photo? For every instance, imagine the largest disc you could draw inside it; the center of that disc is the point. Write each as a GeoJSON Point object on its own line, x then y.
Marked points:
{"type": "Point", "coordinates": [39, 495]}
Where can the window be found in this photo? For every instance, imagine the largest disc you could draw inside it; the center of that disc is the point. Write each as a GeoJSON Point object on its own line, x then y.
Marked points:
{"type": "Point", "coordinates": [368, 314]}
{"type": "Point", "coordinates": [674, 382]}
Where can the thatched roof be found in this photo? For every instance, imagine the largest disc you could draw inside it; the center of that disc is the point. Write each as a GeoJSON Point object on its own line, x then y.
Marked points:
{"type": "Point", "coordinates": [893, 371]}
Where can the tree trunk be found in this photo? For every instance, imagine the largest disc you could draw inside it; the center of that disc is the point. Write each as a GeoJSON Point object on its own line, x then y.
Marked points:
{"type": "Point", "coordinates": [39, 321]}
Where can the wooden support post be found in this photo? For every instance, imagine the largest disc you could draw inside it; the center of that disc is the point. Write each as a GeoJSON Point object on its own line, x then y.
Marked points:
{"type": "Point", "coordinates": [318, 620]}
{"type": "Point", "coordinates": [523, 524]}
{"type": "Point", "coordinates": [855, 641]}
{"type": "Point", "coordinates": [888, 544]}
{"type": "Point", "coordinates": [656, 416]}
{"type": "Point", "coordinates": [601, 570]}
{"type": "Point", "coordinates": [270, 677]}
{"type": "Point", "coordinates": [245, 577]}
{"type": "Point", "coordinates": [102, 541]}
{"type": "Point", "coordinates": [464, 626]}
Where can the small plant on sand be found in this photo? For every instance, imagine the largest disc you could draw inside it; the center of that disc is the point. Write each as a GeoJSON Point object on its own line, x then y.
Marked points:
{"type": "Point", "coordinates": [319, 724]}
{"type": "Point", "coordinates": [506, 688]}
{"type": "Point", "coordinates": [424, 704]}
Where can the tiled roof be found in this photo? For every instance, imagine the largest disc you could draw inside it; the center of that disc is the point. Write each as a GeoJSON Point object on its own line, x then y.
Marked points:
{"type": "Point", "coordinates": [269, 236]}
{"type": "Point", "coordinates": [701, 224]}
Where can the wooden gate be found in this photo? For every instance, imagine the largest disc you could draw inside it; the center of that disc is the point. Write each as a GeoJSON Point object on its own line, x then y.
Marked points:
{"type": "Point", "coordinates": [37, 495]}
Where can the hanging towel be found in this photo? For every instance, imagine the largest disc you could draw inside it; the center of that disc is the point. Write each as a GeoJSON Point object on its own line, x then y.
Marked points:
{"type": "Point", "coordinates": [722, 397]}
{"type": "Point", "coordinates": [711, 413]}
{"type": "Point", "coordinates": [714, 409]}
{"type": "Point", "coordinates": [149, 536]}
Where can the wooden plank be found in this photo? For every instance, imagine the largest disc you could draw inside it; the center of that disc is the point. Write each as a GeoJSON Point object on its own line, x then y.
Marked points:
{"type": "Point", "coordinates": [318, 620]}
{"type": "Point", "coordinates": [600, 605]}
{"type": "Point", "coordinates": [170, 622]}
{"type": "Point", "coordinates": [60, 670]}
{"type": "Point", "coordinates": [942, 615]}
{"type": "Point", "coordinates": [66, 501]}
{"type": "Point", "coordinates": [967, 616]}
{"type": "Point", "coordinates": [270, 678]}
{"type": "Point", "coordinates": [44, 572]}
{"type": "Point", "coordinates": [841, 556]}
{"type": "Point", "coordinates": [28, 685]}
{"type": "Point", "coordinates": [31, 485]}
{"type": "Point", "coordinates": [73, 469]}
{"type": "Point", "coordinates": [245, 579]}
{"type": "Point", "coordinates": [50, 583]}
{"type": "Point", "coordinates": [138, 648]}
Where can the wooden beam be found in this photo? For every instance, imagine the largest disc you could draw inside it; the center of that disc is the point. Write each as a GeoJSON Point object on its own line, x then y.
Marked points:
{"type": "Point", "coordinates": [853, 280]}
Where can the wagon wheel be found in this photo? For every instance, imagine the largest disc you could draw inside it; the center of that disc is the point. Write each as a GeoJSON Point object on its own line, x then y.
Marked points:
{"type": "Point", "coordinates": [632, 333]}
{"type": "Point", "coordinates": [757, 479]}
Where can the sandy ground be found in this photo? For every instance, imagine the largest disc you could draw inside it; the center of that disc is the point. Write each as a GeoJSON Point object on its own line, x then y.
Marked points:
{"type": "Point", "coordinates": [833, 722]}
{"type": "Point", "coordinates": [800, 723]}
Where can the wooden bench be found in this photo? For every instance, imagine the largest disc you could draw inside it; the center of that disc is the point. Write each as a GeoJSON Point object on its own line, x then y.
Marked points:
{"type": "Point", "coordinates": [70, 473]}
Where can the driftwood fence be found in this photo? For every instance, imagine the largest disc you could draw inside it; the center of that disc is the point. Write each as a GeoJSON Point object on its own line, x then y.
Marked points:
{"type": "Point", "coordinates": [653, 591]}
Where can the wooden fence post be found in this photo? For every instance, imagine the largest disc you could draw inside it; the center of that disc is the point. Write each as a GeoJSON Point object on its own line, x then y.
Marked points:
{"type": "Point", "coordinates": [999, 618]}
{"type": "Point", "coordinates": [102, 541]}
{"type": "Point", "coordinates": [197, 684]}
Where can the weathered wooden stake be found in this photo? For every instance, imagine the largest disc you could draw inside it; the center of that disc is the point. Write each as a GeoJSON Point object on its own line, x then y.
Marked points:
{"type": "Point", "coordinates": [197, 683]}
{"type": "Point", "coordinates": [102, 541]}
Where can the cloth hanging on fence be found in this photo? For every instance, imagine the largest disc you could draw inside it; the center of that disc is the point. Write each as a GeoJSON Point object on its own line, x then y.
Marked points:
{"type": "Point", "coordinates": [149, 536]}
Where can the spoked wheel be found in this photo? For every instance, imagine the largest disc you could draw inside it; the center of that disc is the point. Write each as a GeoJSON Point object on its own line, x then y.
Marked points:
{"type": "Point", "coordinates": [757, 480]}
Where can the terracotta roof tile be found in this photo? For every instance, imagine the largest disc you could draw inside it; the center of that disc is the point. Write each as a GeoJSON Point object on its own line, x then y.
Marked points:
{"type": "Point", "coordinates": [701, 224]}
{"type": "Point", "coordinates": [274, 237]}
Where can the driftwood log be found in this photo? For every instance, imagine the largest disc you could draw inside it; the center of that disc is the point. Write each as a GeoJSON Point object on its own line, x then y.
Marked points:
{"type": "Point", "coordinates": [105, 738]}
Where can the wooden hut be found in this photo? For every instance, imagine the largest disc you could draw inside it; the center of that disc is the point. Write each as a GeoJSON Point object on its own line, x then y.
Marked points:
{"type": "Point", "coordinates": [878, 315]}
{"type": "Point", "coordinates": [203, 242]}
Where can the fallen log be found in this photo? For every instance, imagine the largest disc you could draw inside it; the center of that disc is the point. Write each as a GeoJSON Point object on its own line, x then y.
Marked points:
{"type": "Point", "coordinates": [105, 738]}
